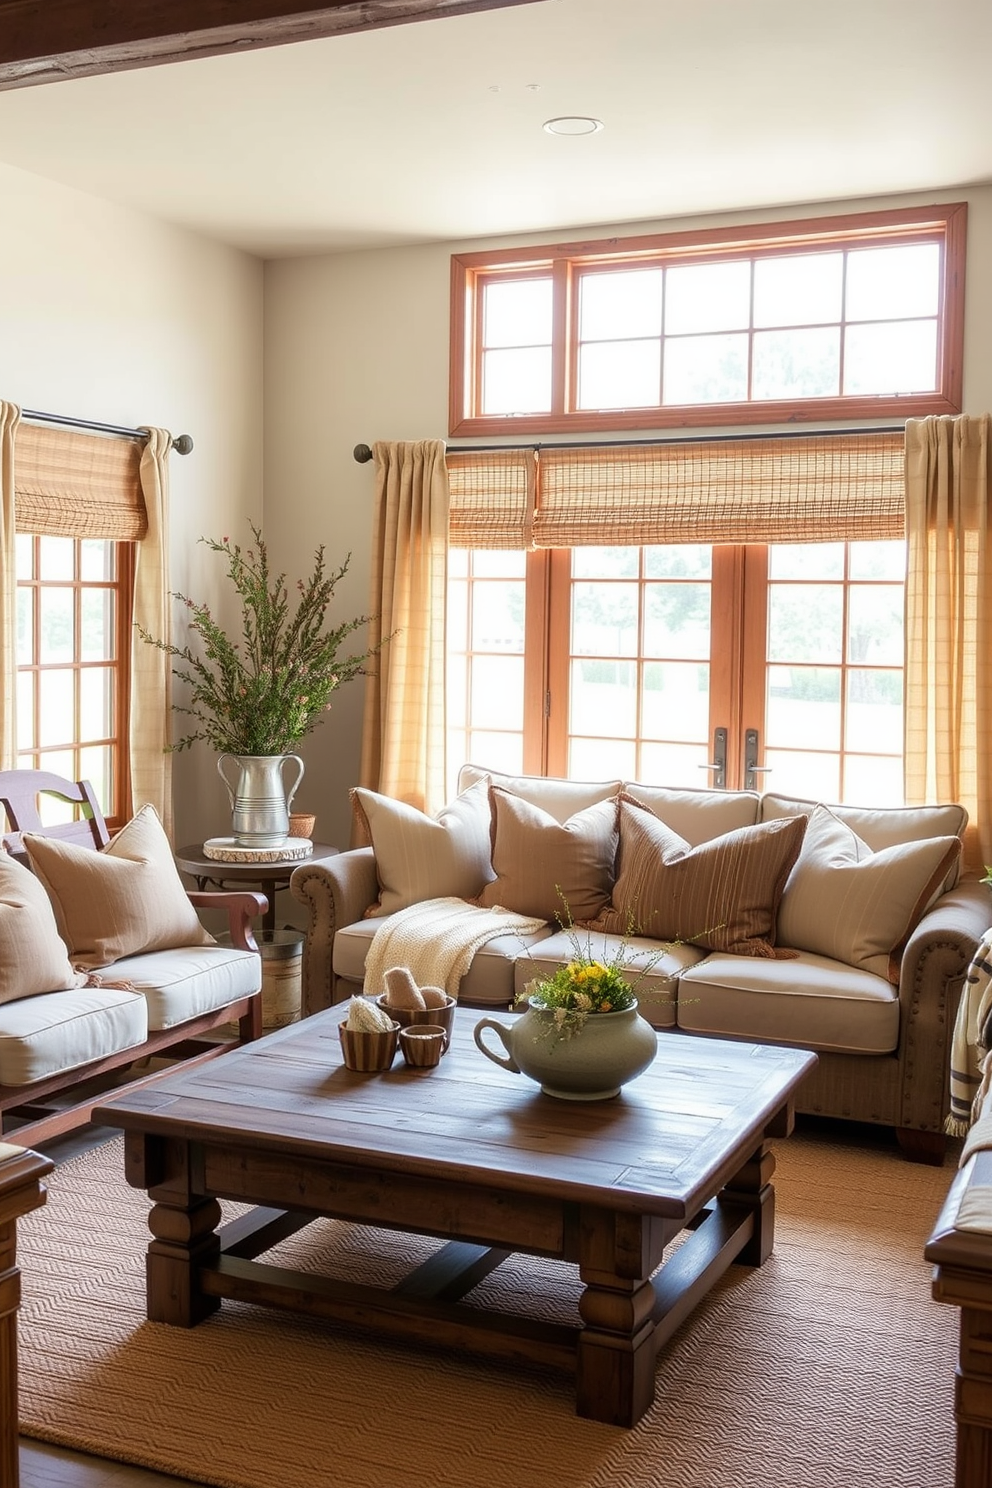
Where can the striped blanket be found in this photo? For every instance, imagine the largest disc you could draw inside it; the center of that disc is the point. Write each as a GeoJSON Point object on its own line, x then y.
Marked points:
{"type": "Point", "coordinates": [971, 1062]}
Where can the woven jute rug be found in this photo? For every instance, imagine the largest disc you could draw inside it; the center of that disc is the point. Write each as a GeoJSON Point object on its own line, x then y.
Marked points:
{"type": "Point", "coordinates": [831, 1365]}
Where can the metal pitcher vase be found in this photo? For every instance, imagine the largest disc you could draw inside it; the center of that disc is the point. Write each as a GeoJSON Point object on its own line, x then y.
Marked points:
{"type": "Point", "coordinates": [260, 802]}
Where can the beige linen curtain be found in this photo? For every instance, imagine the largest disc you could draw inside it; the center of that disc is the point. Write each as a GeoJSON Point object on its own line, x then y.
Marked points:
{"type": "Point", "coordinates": [151, 671]}
{"type": "Point", "coordinates": [948, 611]}
{"type": "Point", "coordinates": [403, 735]}
{"type": "Point", "coordinates": [10, 416]}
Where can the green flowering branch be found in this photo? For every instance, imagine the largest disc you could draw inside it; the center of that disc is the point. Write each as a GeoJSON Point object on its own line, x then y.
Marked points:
{"type": "Point", "coordinates": [265, 692]}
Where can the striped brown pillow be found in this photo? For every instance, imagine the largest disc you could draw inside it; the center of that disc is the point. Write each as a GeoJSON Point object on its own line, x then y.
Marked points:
{"type": "Point", "coordinates": [722, 895]}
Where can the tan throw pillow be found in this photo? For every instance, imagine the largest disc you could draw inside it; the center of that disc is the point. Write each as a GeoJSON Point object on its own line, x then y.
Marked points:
{"type": "Point", "coordinates": [120, 901]}
{"type": "Point", "coordinates": [857, 906]}
{"type": "Point", "coordinates": [33, 958]}
{"type": "Point", "coordinates": [722, 895]}
{"type": "Point", "coordinates": [421, 857]}
{"type": "Point", "coordinates": [549, 869]}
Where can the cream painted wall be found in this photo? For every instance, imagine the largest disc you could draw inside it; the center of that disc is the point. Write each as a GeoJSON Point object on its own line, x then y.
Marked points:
{"type": "Point", "coordinates": [111, 315]}
{"type": "Point", "coordinates": [356, 349]}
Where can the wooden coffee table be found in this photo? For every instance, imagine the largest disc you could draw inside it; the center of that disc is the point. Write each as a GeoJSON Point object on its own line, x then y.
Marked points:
{"type": "Point", "coordinates": [478, 1157]}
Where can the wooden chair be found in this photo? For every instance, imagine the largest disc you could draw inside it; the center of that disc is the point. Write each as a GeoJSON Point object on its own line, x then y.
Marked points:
{"type": "Point", "coordinates": [19, 797]}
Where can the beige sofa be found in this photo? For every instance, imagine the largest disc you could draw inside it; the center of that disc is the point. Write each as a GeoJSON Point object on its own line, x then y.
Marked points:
{"type": "Point", "coordinates": [866, 935]}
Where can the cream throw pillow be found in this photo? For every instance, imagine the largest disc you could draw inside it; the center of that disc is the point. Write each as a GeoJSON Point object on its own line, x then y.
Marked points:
{"type": "Point", "coordinates": [33, 958]}
{"type": "Point", "coordinates": [424, 857]}
{"type": "Point", "coordinates": [549, 869]}
{"type": "Point", "coordinates": [844, 901]}
{"type": "Point", "coordinates": [120, 901]}
{"type": "Point", "coordinates": [722, 895]}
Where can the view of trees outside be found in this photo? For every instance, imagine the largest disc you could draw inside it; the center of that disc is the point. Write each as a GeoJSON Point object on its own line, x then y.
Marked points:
{"type": "Point", "coordinates": [860, 321]}
{"type": "Point", "coordinates": [66, 658]}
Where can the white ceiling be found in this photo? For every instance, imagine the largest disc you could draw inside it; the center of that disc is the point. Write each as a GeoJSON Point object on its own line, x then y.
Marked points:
{"type": "Point", "coordinates": [432, 131]}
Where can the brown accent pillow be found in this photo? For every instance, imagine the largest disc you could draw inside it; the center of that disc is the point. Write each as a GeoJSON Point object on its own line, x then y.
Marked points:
{"type": "Point", "coordinates": [858, 906]}
{"type": "Point", "coordinates": [120, 901]}
{"type": "Point", "coordinates": [722, 895]}
{"type": "Point", "coordinates": [33, 959]}
{"type": "Point", "coordinates": [549, 869]}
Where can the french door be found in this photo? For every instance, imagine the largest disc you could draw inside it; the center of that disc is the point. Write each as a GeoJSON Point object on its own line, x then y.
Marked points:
{"type": "Point", "coordinates": [753, 667]}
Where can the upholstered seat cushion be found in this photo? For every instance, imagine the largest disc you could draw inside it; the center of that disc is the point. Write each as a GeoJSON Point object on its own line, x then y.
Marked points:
{"type": "Point", "coordinates": [182, 983]}
{"type": "Point", "coordinates": [42, 1036]}
{"type": "Point", "coordinates": [812, 1002]}
{"type": "Point", "coordinates": [489, 981]}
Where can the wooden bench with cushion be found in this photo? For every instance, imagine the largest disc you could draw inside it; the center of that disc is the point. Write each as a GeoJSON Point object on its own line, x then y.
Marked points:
{"type": "Point", "coordinates": [103, 959]}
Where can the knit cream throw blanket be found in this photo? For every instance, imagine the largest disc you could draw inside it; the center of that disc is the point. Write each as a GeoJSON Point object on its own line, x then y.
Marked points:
{"type": "Point", "coordinates": [971, 1065]}
{"type": "Point", "coordinates": [437, 940]}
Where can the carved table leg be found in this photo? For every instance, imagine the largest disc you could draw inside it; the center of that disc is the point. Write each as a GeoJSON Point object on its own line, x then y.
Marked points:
{"type": "Point", "coordinates": [750, 1188]}
{"type": "Point", "coordinates": [184, 1225]}
{"type": "Point", "coordinates": [616, 1349]}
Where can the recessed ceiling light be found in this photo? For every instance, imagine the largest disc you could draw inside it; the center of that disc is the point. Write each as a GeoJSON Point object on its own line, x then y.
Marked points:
{"type": "Point", "coordinates": [573, 124]}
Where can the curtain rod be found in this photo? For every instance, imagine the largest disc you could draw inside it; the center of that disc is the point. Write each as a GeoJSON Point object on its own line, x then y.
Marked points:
{"type": "Point", "coordinates": [182, 444]}
{"type": "Point", "coordinates": [363, 452]}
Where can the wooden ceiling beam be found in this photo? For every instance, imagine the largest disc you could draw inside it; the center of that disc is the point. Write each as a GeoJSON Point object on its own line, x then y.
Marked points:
{"type": "Point", "coordinates": [43, 41]}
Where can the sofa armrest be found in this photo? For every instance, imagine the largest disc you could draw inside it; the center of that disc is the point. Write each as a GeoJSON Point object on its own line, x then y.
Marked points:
{"type": "Point", "coordinates": [240, 905]}
{"type": "Point", "coordinates": [943, 943]}
{"type": "Point", "coordinates": [336, 891]}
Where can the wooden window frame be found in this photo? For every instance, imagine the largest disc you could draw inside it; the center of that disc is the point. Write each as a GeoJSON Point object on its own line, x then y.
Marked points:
{"type": "Point", "coordinates": [115, 810]}
{"type": "Point", "coordinates": [943, 223]}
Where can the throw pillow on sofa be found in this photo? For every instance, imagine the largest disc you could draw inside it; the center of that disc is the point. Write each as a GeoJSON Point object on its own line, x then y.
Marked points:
{"type": "Point", "coordinates": [33, 957]}
{"type": "Point", "coordinates": [844, 901]}
{"type": "Point", "coordinates": [722, 895]}
{"type": "Point", "coordinates": [421, 857]}
{"type": "Point", "coordinates": [549, 869]}
{"type": "Point", "coordinates": [123, 900]}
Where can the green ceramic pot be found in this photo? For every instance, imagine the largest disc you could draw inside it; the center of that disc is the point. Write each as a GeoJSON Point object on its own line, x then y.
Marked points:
{"type": "Point", "coordinates": [608, 1051]}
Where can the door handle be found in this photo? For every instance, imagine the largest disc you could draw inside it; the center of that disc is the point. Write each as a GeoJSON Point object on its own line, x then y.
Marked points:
{"type": "Point", "coordinates": [718, 764]}
{"type": "Point", "coordinates": [751, 767]}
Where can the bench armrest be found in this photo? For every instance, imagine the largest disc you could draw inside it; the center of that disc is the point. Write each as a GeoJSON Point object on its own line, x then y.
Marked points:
{"type": "Point", "coordinates": [240, 905]}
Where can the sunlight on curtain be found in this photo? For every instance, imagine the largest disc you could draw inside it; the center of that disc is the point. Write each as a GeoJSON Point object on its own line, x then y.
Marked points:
{"type": "Point", "coordinates": [948, 609]}
{"type": "Point", "coordinates": [403, 735]}
{"type": "Point", "coordinates": [151, 674]}
{"type": "Point", "coordinates": [10, 416]}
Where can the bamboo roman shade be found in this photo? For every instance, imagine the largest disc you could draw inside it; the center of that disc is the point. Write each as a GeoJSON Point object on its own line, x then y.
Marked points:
{"type": "Point", "coordinates": [793, 489]}
{"type": "Point", "coordinates": [491, 498]}
{"type": "Point", "coordinates": [78, 485]}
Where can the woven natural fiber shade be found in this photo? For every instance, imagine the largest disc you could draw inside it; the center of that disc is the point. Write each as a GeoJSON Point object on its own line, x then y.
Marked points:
{"type": "Point", "coordinates": [78, 485]}
{"type": "Point", "coordinates": [795, 489]}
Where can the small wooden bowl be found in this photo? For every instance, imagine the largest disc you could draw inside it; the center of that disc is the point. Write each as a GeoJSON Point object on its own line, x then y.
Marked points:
{"type": "Point", "coordinates": [367, 1053]}
{"type": "Point", "coordinates": [406, 1017]}
{"type": "Point", "coordinates": [301, 824]}
{"type": "Point", "coordinates": [423, 1044]}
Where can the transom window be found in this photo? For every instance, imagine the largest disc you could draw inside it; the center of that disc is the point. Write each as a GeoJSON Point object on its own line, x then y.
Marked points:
{"type": "Point", "coordinates": [851, 317]}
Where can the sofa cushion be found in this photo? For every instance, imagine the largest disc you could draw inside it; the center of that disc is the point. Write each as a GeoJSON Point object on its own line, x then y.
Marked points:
{"type": "Point", "coordinates": [42, 1036]}
{"type": "Point", "coordinates": [425, 857]}
{"type": "Point", "coordinates": [880, 826]}
{"type": "Point", "coordinates": [124, 899]}
{"type": "Point", "coordinates": [857, 906]}
{"type": "Point", "coordinates": [812, 1002]}
{"type": "Point", "coordinates": [489, 981]}
{"type": "Point", "coordinates": [652, 969]}
{"type": "Point", "coordinates": [181, 983]}
{"type": "Point", "coordinates": [33, 957]}
{"type": "Point", "coordinates": [698, 815]}
{"type": "Point", "coordinates": [559, 798]}
{"type": "Point", "coordinates": [549, 869]}
{"type": "Point", "coordinates": [723, 894]}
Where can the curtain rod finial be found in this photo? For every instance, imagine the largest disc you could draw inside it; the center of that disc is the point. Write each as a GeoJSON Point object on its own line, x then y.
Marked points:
{"type": "Point", "coordinates": [362, 453]}
{"type": "Point", "coordinates": [182, 444]}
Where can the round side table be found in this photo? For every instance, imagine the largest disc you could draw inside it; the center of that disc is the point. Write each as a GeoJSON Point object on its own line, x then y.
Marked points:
{"type": "Point", "coordinates": [269, 877]}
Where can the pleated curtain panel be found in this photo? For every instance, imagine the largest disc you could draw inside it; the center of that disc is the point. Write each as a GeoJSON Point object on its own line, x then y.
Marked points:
{"type": "Point", "coordinates": [403, 734]}
{"type": "Point", "coordinates": [948, 611]}
{"type": "Point", "coordinates": [62, 483]}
